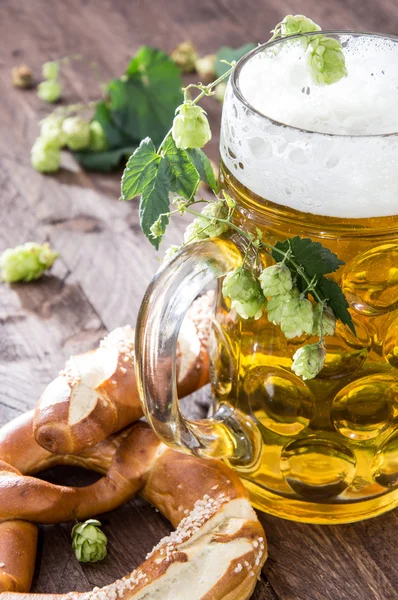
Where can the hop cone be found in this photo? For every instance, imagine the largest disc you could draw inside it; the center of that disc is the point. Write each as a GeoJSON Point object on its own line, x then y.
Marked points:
{"type": "Point", "coordinates": [191, 128]}
{"type": "Point", "coordinates": [50, 70]}
{"type": "Point", "coordinates": [26, 262]}
{"type": "Point", "coordinates": [77, 133]}
{"type": "Point", "coordinates": [88, 541]}
{"type": "Point", "coordinates": [326, 60]}
{"type": "Point", "coordinates": [308, 361]}
{"type": "Point", "coordinates": [49, 90]}
{"type": "Point", "coordinates": [295, 24]}
{"type": "Point", "coordinates": [206, 225]}
{"type": "Point", "coordinates": [328, 320]}
{"type": "Point", "coordinates": [245, 293]}
{"type": "Point", "coordinates": [297, 317]}
{"type": "Point", "coordinates": [275, 280]}
{"type": "Point", "coordinates": [51, 132]}
{"type": "Point", "coordinates": [45, 157]}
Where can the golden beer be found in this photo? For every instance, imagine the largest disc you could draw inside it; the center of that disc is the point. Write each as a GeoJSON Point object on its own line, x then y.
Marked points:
{"type": "Point", "coordinates": [314, 161]}
{"type": "Point", "coordinates": [330, 445]}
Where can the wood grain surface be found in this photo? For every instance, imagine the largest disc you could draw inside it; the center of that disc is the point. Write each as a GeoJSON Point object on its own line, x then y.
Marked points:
{"type": "Point", "coordinates": [106, 264]}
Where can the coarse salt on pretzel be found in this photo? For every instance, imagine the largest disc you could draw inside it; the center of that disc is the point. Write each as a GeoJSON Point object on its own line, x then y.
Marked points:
{"type": "Point", "coordinates": [96, 394]}
{"type": "Point", "coordinates": [216, 551]}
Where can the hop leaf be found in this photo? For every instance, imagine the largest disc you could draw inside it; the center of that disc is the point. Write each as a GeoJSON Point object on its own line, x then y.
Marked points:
{"type": "Point", "coordinates": [297, 316]}
{"type": "Point", "coordinates": [326, 60]}
{"type": "Point", "coordinates": [207, 225]}
{"type": "Point", "coordinates": [275, 280]}
{"type": "Point", "coordinates": [185, 56]}
{"type": "Point", "coordinates": [49, 91]}
{"type": "Point", "coordinates": [51, 131]}
{"type": "Point", "coordinates": [191, 128]}
{"type": "Point", "coordinates": [50, 70]}
{"type": "Point", "coordinates": [77, 133]}
{"type": "Point", "coordinates": [245, 293]}
{"type": "Point", "coordinates": [88, 541]}
{"type": "Point", "coordinates": [26, 262]}
{"type": "Point", "coordinates": [308, 361]}
{"type": "Point", "coordinates": [328, 320]}
{"type": "Point", "coordinates": [45, 157]}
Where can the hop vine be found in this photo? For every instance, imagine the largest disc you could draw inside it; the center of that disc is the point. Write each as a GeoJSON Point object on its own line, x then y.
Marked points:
{"type": "Point", "coordinates": [294, 292]}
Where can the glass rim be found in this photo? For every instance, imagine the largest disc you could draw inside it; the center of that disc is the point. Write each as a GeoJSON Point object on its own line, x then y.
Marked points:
{"type": "Point", "coordinates": [336, 32]}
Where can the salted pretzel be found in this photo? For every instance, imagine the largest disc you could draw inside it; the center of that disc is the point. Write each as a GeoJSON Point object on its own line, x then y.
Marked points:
{"type": "Point", "coordinates": [96, 393]}
{"type": "Point", "coordinates": [216, 551]}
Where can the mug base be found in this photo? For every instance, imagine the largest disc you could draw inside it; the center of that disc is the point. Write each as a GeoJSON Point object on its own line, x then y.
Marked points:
{"type": "Point", "coordinates": [319, 513]}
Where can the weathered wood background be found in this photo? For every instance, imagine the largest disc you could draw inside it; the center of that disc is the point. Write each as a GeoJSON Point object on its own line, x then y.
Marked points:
{"type": "Point", "coordinates": [106, 264]}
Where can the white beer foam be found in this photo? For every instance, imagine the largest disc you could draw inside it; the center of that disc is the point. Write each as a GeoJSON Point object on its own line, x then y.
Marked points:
{"type": "Point", "coordinates": [344, 165]}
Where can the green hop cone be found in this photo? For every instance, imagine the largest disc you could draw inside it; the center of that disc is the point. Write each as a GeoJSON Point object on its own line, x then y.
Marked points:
{"type": "Point", "coordinates": [44, 157]}
{"type": "Point", "coordinates": [308, 361]}
{"type": "Point", "coordinates": [276, 304]}
{"type": "Point", "coordinates": [275, 280]}
{"type": "Point", "coordinates": [49, 91]}
{"type": "Point", "coordinates": [26, 262]}
{"type": "Point", "coordinates": [98, 141]}
{"type": "Point", "coordinates": [50, 70]}
{"type": "Point", "coordinates": [206, 225]}
{"type": "Point", "coordinates": [158, 228]}
{"type": "Point", "coordinates": [328, 320]}
{"type": "Point", "coordinates": [88, 541]}
{"type": "Point", "coordinates": [185, 56]}
{"type": "Point", "coordinates": [275, 308]}
{"type": "Point", "coordinates": [297, 316]}
{"type": "Point", "coordinates": [51, 131]}
{"type": "Point", "coordinates": [326, 60]}
{"type": "Point", "coordinates": [245, 293]}
{"type": "Point", "coordinates": [77, 133]}
{"type": "Point", "coordinates": [191, 128]}
{"type": "Point", "coordinates": [295, 24]}
{"type": "Point", "coordinates": [205, 67]}
{"type": "Point", "coordinates": [22, 77]}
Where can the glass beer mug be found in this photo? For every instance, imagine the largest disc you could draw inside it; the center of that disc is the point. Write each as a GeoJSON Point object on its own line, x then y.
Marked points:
{"type": "Point", "coordinates": [319, 162]}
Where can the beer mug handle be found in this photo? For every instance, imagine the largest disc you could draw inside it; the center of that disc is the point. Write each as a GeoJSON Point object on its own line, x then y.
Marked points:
{"type": "Point", "coordinates": [229, 433]}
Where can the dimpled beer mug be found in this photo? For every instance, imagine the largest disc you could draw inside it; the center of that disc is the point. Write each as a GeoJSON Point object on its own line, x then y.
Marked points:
{"type": "Point", "coordinates": [319, 162]}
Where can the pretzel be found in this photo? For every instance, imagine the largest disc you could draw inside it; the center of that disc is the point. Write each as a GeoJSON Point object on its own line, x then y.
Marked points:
{"type": "Point", "coordinates": [96, 394]}
{"type": "Point", "coordinates": [216, 551]}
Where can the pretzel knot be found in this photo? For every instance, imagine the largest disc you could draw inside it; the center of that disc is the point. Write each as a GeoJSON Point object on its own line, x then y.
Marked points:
{"type": "Point", "coordinates": [218, 546]}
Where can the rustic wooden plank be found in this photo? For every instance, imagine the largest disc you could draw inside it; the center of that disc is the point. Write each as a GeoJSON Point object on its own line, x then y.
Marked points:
{"type": "Point", "coordinates": [106, 264]}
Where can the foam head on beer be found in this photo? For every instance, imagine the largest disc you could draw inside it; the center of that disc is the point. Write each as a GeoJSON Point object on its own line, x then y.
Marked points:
{"type": "Point", "coordinates": [325, 149]}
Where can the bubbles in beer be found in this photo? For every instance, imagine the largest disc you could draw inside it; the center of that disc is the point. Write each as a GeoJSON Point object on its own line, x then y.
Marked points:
{"type": "Point", "coordinates": [316, 468]}
{"type": "Point", "coordinates": [364, 409]}
{"type": "Point", "coordinates": [280, 400]}
{"type": "Point", "coordinates": [390, 346]}
{"type": "Point", "coordinates": [385, 463]}
{"type": "Point", "coordinates": [370, 281]}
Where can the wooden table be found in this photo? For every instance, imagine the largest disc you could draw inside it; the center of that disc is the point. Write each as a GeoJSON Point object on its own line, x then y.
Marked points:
{"type": "Point", "coordinates": [106, 264]}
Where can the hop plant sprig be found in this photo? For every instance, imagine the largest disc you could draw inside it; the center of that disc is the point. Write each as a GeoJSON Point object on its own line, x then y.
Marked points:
{"type": "Point", "coordinates": [294, 293]}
